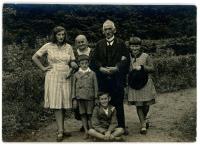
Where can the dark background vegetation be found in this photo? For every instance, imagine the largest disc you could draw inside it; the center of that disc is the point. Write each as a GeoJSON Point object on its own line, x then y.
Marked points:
{"type": "Point", "coordinates": [168, 33]}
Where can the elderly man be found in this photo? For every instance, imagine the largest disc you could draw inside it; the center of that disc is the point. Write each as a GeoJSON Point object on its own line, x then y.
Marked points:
{"type": "Point", "coordinates": [111, 64]}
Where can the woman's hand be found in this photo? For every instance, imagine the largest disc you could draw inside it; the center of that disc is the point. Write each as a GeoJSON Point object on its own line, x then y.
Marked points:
{"type": "Point", "coordinates": [137, 67]}
{"type": "Point", "coordinates": [74, 65]}
{"type": "Point", "coordinates": [96, 102]}
{"type": "Point", "coordinates": [48, 68]}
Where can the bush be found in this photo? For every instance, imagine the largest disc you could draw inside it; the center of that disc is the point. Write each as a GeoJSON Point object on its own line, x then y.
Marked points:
{"type": "Point", "coordinates": [175, 73]}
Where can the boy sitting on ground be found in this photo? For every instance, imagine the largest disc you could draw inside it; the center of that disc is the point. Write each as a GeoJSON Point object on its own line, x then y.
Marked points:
{"type": "Point", "coordinates": [104, 121]}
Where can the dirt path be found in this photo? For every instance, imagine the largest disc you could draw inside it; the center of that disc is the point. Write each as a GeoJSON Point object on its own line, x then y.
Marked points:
{"type": "Point", "coordinates": [163, 116]}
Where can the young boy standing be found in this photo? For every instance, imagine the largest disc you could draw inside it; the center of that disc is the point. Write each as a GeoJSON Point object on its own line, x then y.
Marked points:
{"type": "Point", "coordinates": [84, 91]}
{"type": "Point", "coordinates": [104, 120]}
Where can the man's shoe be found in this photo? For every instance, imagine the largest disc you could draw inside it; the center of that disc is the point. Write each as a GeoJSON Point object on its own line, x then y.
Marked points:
{"type": "Point", "coordinates": [126, 132]}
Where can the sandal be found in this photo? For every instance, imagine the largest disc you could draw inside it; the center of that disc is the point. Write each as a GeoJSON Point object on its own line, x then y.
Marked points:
{"type": "Point", "coordinates": [143, 130]}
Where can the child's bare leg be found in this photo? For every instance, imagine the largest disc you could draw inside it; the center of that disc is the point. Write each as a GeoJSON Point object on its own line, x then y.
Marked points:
{"type": "Point", "coordinates": [142, 120]}
{"type": "Point", "coordinates": [145, 110]}
{"type": "Point", "coordinates": [141, 116]}
{"type": "Point", "coordinates": [118, 132]}
{"type": "Point", "coordinates": [85, 124]}
{"type": "Point", "coordinates": [89, 122]}
{"type": "Point", "coordinates": [96, 134]}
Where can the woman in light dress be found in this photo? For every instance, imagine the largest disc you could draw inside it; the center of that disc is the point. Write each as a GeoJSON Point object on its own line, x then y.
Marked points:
{"type": "Point", "coordinates": [57, 84]}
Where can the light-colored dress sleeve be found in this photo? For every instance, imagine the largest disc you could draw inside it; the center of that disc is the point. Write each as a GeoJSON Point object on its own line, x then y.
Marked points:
{"type": "Point", "coordinates": [42, 50]}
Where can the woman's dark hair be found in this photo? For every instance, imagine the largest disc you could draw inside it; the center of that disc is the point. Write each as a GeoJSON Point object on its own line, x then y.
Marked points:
{"type": "Point", "coordinates": [56, 30]}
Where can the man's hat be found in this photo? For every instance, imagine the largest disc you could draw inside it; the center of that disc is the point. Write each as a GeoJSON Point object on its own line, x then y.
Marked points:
{"type": "Point", "coordinates": [137, 79]}
{"type": "Point", "coordinates": [83, 57]}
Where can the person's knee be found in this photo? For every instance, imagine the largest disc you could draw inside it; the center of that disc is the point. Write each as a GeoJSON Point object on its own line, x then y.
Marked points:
{"type": "Point", "coordinates": [91, 131]}
{"type": "Point", "coordinates": [120, 130]}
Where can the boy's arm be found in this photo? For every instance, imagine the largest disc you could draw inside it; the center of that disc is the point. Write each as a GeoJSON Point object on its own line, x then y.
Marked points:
{"type": "Point", "coordinates": [113, 122]}
{"type": "Point", "coordinates": [95, 121]}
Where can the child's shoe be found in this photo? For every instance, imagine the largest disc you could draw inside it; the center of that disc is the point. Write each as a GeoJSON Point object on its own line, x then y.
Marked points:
{"type": "Point", "coordinates": [59, 137]}
{"type": "Point", "coordinates": [143, 130]}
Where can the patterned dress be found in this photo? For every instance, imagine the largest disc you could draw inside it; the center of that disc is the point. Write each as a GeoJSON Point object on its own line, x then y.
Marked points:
{"type": "Point", "coordinates": [146, 95]}
{"type": "Point", "coordinates": [57, 87]}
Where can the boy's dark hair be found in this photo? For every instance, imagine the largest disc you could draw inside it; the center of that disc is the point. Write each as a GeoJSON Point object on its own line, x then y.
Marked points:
{"type": "Point", "coordinates": [103, 93]}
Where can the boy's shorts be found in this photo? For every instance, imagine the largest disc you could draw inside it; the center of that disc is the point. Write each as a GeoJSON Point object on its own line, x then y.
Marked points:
{"type": "Point", "coordinates": [86, 106]}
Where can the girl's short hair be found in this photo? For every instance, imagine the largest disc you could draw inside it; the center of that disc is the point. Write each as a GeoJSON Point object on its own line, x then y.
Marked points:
{"type": "Point", "coordinates": [56, 30]}
{"type": "Point", "coordinates": [135, 41]}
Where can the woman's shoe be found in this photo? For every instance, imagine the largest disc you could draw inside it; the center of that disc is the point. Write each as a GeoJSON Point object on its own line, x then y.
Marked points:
{"type": "Point", "coordinates": [59, 137]}
{"type": "Point", "coordinates": [143, 130]}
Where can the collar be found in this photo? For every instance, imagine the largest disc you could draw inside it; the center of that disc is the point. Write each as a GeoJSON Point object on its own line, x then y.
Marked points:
{"type": "Point", "coordinates": [84, 71]}
{"type": "Point", "coordinates": [86, 52]}
{"type": "Point", "coordinates": [111, 39]}
{"type": "Point", "coordinates": [110, 43]}
{"type": "Point", "coordinates": [136, 56]}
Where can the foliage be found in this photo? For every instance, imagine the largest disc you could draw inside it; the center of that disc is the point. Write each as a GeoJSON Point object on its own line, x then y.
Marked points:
{"type": "Point", "coordinates": [175, 73]}
{"type": "Point", "coordinates": [27, 21]}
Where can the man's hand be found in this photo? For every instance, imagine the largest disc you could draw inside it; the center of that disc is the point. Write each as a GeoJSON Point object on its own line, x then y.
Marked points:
{"type": "Point", "coordinates": [104, 70]}
{"type": "Point", "coordinates": [112, 69]}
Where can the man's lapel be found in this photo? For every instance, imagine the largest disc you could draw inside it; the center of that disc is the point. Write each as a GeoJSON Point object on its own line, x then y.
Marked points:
{"type": "Point", "coordinates": [114, 48]}
{"type": "Point", "coordinates": [104, 45]}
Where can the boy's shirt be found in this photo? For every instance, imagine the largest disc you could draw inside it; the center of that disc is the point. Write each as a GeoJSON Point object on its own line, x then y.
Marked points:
{"type": "Point", "coordinates": [85, 85]}
{"type": "Point", "coordinates": [103, 122]}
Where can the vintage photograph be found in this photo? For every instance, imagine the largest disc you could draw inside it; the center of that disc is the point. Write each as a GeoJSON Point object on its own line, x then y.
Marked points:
{"type": "Point", "coordinates": [99, 73]}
